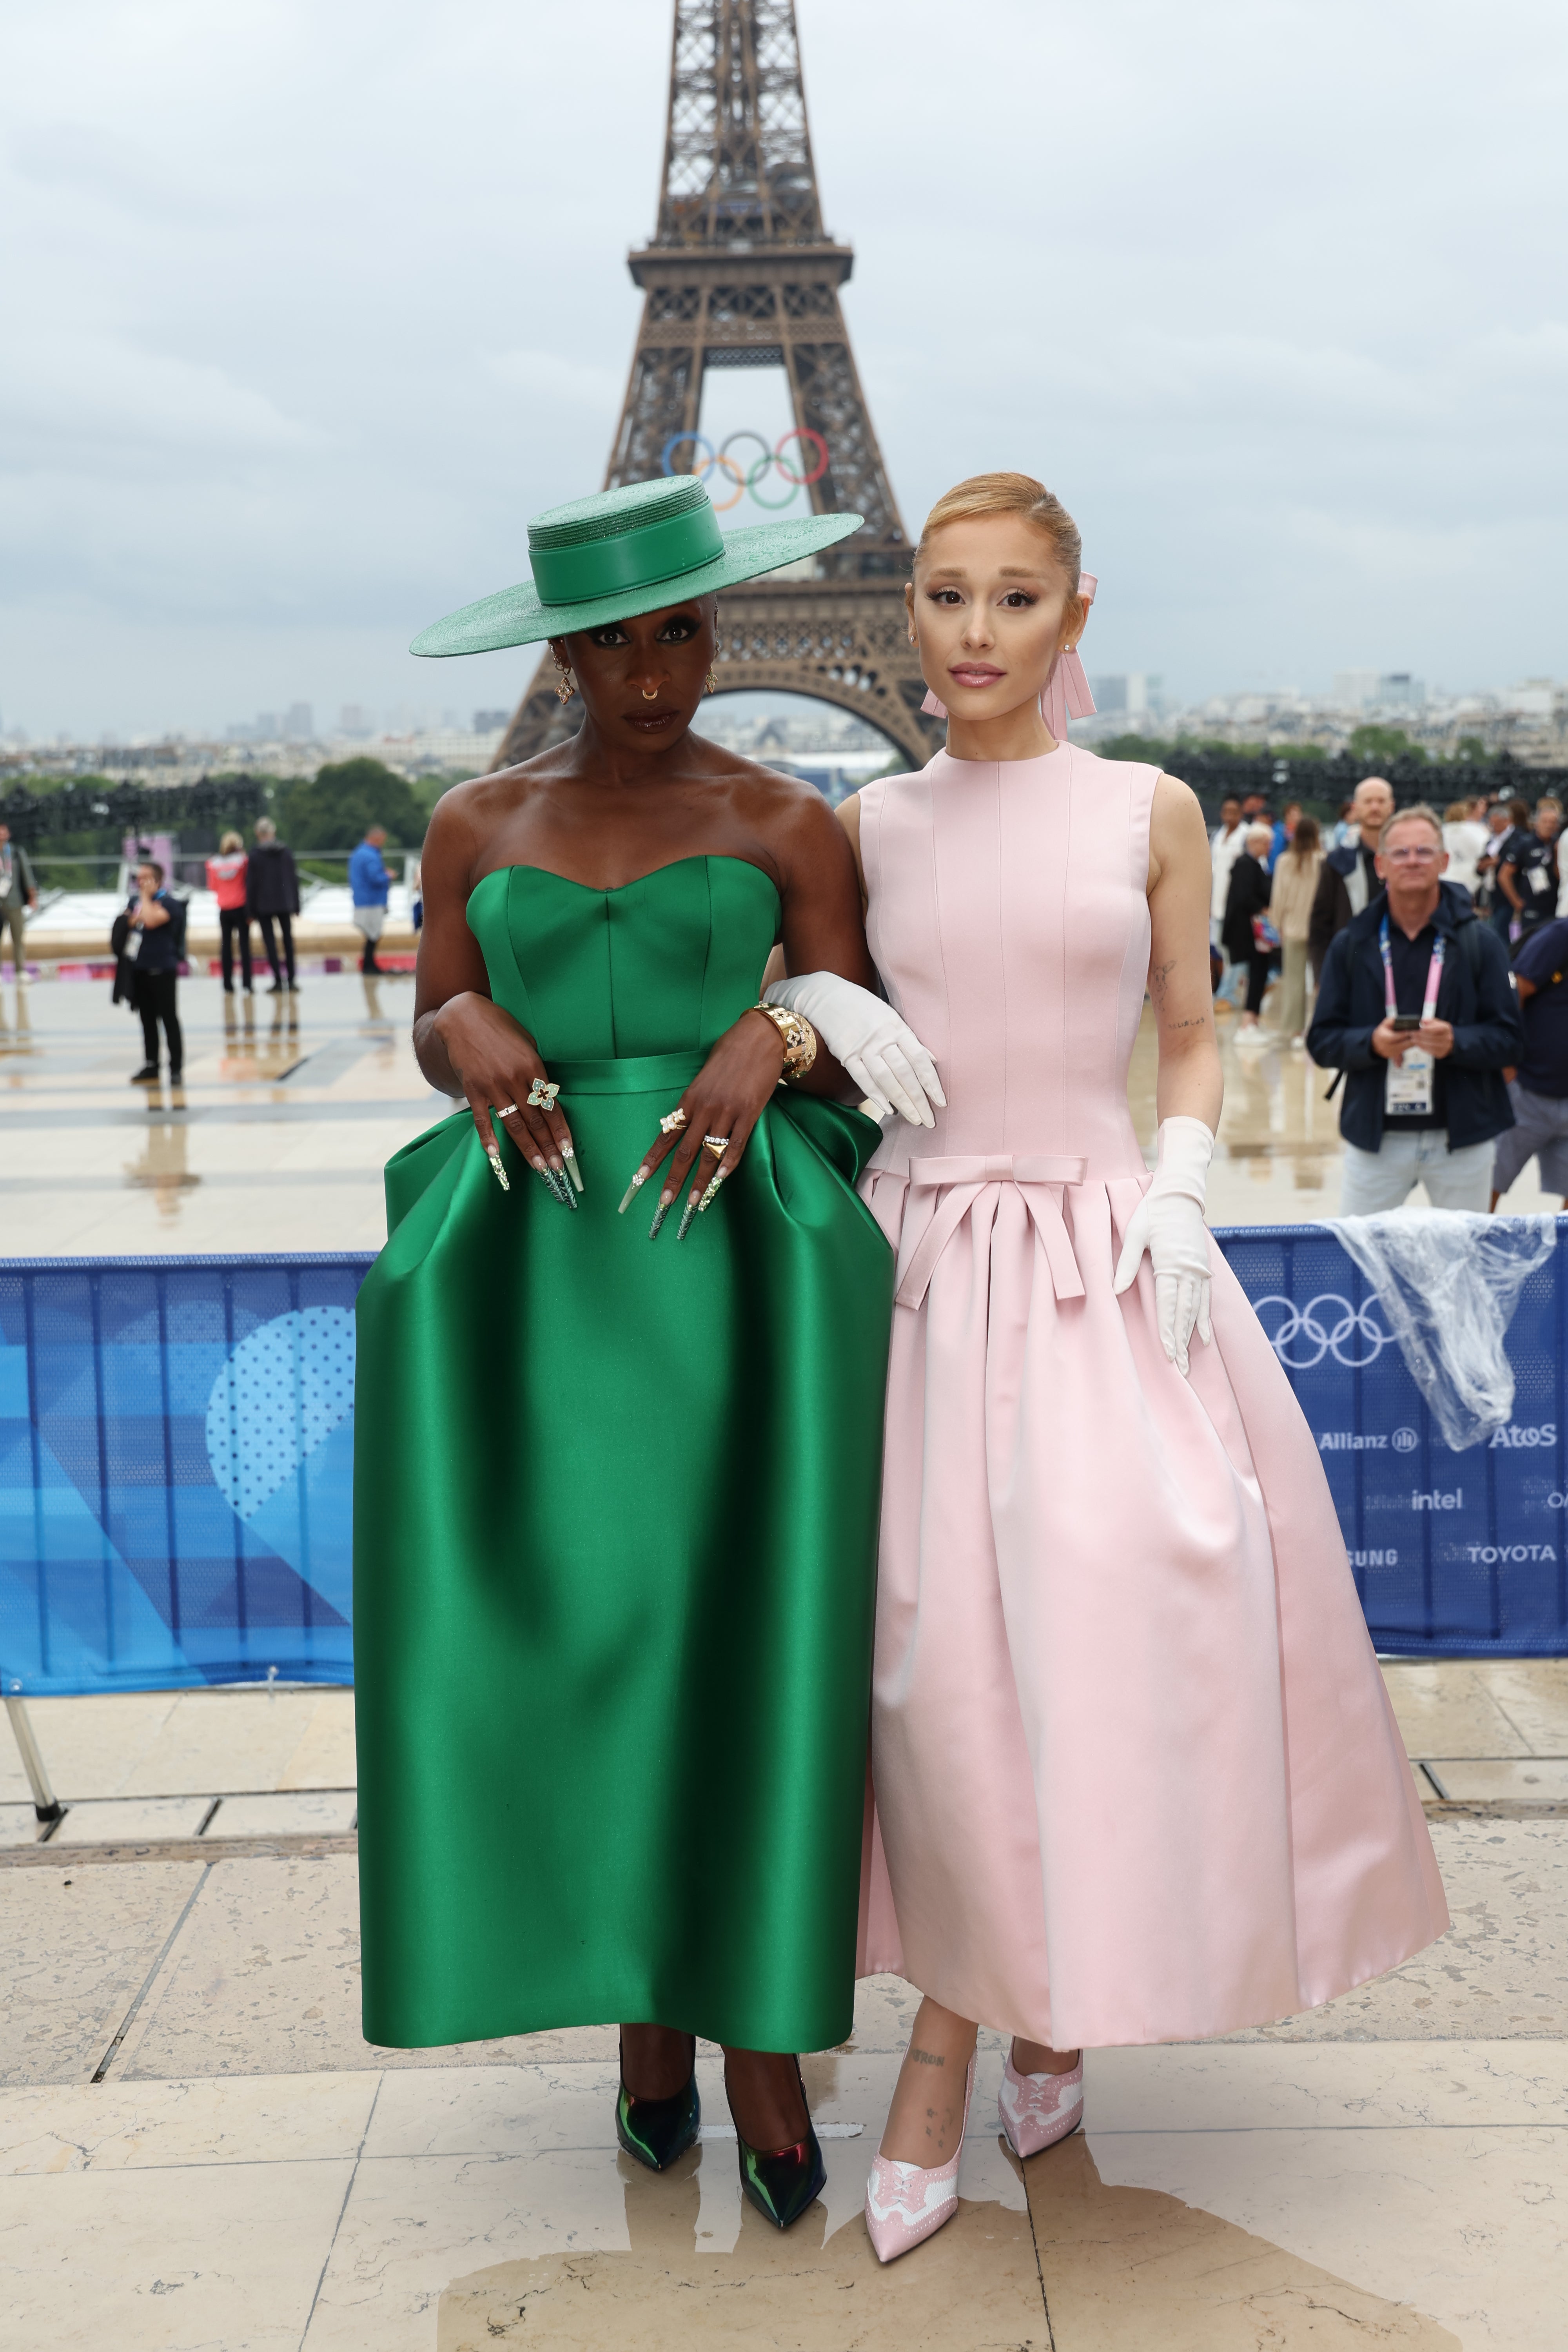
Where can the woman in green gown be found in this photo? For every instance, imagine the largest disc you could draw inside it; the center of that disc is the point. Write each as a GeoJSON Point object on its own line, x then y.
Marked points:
{"type": "Point", "coordinates": [616, 1478]}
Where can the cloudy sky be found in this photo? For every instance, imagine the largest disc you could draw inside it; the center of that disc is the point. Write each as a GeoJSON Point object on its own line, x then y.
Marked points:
{"type": "Point", "coordinates": [307, 304]}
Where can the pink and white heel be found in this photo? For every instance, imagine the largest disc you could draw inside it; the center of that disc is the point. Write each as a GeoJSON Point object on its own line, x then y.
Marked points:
{"type": "Point", "coordinates": [1037, 2110]}
{"type": "Point", "coordinates": [906, 2203]}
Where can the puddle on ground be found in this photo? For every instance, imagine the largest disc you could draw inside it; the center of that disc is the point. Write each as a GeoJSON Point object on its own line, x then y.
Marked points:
{"type": "Point", "coordinates": [1125, 2270]}
{"type": "Point", "coordinates": [976, 2284]}
{"type": "Point", "coordinates": [1128, 2269]}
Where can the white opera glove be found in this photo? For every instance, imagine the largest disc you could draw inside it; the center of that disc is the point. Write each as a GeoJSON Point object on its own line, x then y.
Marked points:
{"type": "Point", "coordinates": [1169, 1223]}
{"type": "Point", "coordinates": [881, 1052]}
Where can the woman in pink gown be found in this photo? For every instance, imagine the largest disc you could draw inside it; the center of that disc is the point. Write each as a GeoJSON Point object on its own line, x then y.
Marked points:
{"type": "Point", "coordinates": [1136, 1776]}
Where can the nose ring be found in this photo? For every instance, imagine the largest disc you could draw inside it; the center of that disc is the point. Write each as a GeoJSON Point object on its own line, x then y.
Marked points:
{"type": "Point", "coordinates": [650, 698]}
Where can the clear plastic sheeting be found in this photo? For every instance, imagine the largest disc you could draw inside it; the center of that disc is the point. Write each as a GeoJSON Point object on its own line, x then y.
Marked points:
{"type": "Point", "coordinates": [1447, 1283]}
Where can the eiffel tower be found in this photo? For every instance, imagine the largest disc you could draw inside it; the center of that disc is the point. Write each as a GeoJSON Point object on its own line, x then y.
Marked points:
{"type": "Point", "coordinates": [739, 272]}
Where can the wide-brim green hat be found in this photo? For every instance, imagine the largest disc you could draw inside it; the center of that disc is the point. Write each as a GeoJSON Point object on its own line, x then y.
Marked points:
{"type": "Point", "coordinates": [621, 553]}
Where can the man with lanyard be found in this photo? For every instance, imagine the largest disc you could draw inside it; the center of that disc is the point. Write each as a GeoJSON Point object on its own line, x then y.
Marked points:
{"type": "Point", "coordinates": [1416, 1009]}
{"type": "Point", "coordinates": [1527, 870]}
{"type": "Point", "coordinates": [1348, 882]}
{"type": "Point", "coordinates": [1538, 1088]}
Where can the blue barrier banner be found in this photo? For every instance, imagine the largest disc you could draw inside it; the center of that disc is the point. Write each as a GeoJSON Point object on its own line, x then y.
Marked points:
{"type": "Point", "coordinates": [1453, 1553]}
{"type": "Point", "coordinates": [176, 1450]}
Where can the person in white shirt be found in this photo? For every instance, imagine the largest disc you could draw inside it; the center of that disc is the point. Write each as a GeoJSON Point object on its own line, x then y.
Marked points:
{"type": "Point", "coordinates": [1227, 842]}
{"type": "Point", "coordinates": [1465, 838]}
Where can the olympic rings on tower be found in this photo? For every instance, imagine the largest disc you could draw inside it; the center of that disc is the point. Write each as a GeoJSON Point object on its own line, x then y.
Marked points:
{"type": "Point", "coordinates": [707, 461]}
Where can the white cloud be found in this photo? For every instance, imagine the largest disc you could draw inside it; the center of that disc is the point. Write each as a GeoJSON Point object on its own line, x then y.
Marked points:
{"type": "Point", "coordinates": [92, 402]}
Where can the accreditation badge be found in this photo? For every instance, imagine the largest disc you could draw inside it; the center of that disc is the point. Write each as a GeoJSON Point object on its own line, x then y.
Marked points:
{"type": "Point", "coordinates": [1408, 1089]}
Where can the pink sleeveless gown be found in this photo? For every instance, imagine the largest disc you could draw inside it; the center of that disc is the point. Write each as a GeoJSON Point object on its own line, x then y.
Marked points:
{"type": "Point", "coordinates": [1136, 1775]}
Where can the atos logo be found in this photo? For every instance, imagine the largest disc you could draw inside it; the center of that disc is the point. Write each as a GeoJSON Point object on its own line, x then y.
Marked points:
{"type": "Point", "coordinates": [1543, 1433]}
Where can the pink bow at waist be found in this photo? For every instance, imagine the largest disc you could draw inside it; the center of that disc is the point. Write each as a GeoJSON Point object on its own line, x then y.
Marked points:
{"type": "Point", "coordinates": [1039, 1179]}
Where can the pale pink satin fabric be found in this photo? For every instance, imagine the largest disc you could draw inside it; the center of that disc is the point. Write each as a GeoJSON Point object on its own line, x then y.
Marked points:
{"type": "Point", "coordinates": [1136, 1775]}
{"type": "Point", "coordinates": [1066, 691]}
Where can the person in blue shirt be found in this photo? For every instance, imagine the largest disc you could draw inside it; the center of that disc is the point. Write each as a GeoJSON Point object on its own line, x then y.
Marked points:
{"type": "Point", "coordinates": [370, 879]}
{"type": "Point", "coordinates": [1538, 1084]}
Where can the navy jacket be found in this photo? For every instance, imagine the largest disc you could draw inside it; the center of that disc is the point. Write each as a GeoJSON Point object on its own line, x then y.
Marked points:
{"type": "Point", "coordinates": [1476, 993]}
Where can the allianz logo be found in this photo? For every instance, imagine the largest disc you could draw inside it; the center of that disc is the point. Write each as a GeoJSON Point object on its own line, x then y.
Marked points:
{"type": "Point", "coordinates": [1519, 1435]}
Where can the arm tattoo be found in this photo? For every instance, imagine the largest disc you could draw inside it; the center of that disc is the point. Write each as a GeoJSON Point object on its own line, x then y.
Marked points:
{"type": "Point", "coordinates": [926, 2057]}
{"type": "Point", "coordinates": [1159, 978]}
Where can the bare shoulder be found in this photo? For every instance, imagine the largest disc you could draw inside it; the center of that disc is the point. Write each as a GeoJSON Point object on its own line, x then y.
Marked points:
{"type": "Point", "coordinates": [482, 801]}
{"type": "Point", "coordinates": [1178, 831]}
{"type": "Point", "coordinates": [1177, 803]}
{"type": "Point", "coordinates": [1176, 821]}
{"type": "Point", "coordinates": [783, 808]}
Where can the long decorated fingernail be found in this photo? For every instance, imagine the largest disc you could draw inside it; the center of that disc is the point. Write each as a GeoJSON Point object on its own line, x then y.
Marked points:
{"type": "Point", "coordinates": [711, 1194]}
{"type": "Point", "coordinates": [542, 1170]}
{"type": "Point", "coordinates": [570, 1156]}
{"type": "Point", "coordinates": [629, 1195]}
{"type": "Point", "coordinates": [686, 1219]}
{"type": "Point", "coordinates": [502, 1177]}
{"type": "Point", "coordinates": [660, 1214]}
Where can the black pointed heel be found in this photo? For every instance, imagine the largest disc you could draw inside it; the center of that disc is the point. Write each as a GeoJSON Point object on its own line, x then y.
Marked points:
{"type": "Point", "coordinates": [656, 2131]}
{"type": "Point", "coordinates": [782, 2182]}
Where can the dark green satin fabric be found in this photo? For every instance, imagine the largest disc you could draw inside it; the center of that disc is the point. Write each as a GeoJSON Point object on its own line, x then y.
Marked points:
{"type": "Point", "coordinates": [615, 1522]}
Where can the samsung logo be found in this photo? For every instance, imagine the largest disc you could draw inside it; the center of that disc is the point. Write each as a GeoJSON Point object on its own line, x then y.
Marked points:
{"type": "Point", "coordinates": [1389, 1558]}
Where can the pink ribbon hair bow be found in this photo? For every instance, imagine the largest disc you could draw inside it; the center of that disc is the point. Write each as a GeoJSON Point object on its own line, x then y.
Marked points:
{"type": "Point", "coordinates": [1065, 693]}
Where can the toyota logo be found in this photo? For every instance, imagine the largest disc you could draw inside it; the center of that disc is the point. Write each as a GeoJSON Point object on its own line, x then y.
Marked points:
{"type": "Point", "coordinates": [1354, 1335]}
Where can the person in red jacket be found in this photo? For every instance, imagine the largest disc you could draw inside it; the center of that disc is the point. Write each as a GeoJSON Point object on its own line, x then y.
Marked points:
{"type": "Point", "coordinates": [227, 878]}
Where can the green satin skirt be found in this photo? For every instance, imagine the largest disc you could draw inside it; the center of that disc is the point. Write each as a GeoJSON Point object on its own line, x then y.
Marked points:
{"type": "Point", "coordinates": [615, 1534]}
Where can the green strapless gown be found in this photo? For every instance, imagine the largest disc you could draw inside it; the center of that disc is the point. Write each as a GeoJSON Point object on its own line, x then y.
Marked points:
{"type": "Point", "coordinates": [615, 1521]}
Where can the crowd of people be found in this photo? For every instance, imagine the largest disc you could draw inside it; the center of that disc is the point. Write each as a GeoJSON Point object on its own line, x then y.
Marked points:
{"type": "Point", "coordinates": [260, 886]}
{"type": "Point", "coordinates": [1442, 1009]}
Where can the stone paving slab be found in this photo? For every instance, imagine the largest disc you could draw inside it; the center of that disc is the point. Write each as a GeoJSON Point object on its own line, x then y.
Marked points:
{"type": "Point", "coordinates": [76, 1948]}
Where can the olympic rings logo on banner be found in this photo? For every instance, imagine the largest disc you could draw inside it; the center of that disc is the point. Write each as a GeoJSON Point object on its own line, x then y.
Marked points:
{"type": "Point", "coordinates": [1356, 1324]}
{"type": "Point", "coordinates": [747, 477]}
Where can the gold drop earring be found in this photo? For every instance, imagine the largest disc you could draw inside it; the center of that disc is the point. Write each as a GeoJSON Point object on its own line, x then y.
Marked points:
{"type": "Point", "coordinates": [710, 681]}
{"type": "Point", "coordinates": [566, 684]}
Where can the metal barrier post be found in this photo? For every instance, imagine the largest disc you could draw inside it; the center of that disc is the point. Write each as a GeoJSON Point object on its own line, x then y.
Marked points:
{"type": "Point", "coordinates": [45, 1804]}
